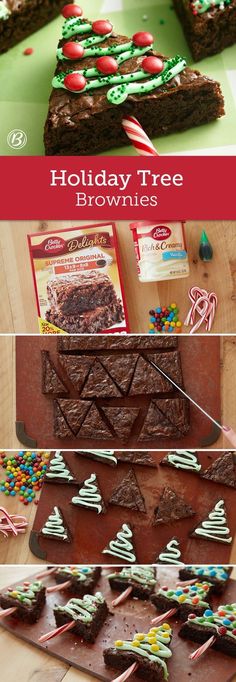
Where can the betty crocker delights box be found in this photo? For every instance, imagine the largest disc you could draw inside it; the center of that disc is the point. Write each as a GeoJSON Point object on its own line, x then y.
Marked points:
{"type": "Point", "coordinates": [77, 280]}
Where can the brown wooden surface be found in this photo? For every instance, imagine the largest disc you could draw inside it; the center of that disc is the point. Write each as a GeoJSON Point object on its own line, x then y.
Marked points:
{"type": "Point", "coordinates": [35, 409]}
{"type": "Point", "coordinates": [18, 307]}
{"type": "Point", "coordinates": [130, 616]}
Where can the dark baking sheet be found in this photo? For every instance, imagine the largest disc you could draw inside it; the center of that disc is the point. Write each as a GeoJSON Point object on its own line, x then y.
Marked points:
{"type": "Point", "coordinates": [132, 616]}
{"type": "Point", "coordinates": [91, 532]}
{"type": "Point", "coordinates": [34, 411]}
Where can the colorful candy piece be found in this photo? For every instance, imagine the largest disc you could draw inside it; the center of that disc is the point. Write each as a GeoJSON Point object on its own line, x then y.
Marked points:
{"type": "Point", "coordinates": [182, 600]}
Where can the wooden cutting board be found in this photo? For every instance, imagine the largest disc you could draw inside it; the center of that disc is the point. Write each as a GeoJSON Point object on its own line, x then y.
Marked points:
{"type": "Point", "coordinates": [200, 358]}
{"type": "Point", "coordinates": [91, 532]}
{"type": "Point", "coordinates": [132, 616]}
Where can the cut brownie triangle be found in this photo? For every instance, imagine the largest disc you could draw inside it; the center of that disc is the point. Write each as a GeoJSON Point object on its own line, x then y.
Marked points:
{"type": "Point", "coordinates": [77, 368]}
{"type": "Point", "coordinates": [99, 384]}
{"type": "Point", "coordinates": [54, 527]}
{"type": "Point", "coordinates": [170, 554]}
{"type": "Point", "coordinates": [171, 98]}
{"type": "Point", "coordinates": [176, 411]}
{"type": "Point", "coordinates": [128, 493]}
{"type": "Point", "coordinates": [61, 428]}
{"type": "Point", "coordinates": [89, 496]}
{"type": "Point", "coordinates": [222, 470]}
{"type": "Point", "coordinates": [170, 363]}
{"type": "Point", "coordinates": [215, 526]}
{"type": "Point", "coordinates": [156, 424]}
{"type": "Point", "coordinates": [74, 412]}
{"type": "Point", "coordinates": [58, 470]}
{"type": "Point", "coordinates": [122, 546]}
{"type": "Point", "coordinates": [171, 507]}
{"type": "Point", "coordinates": [121, 419]}
{"type": "Point", "coordinates": [121, 369]}
{"type": "Point", "coordinates": [94, 426]}
{"type": "Point", "coordinates": [137, 457]}
{"type": "Point", "coordinates": [148, 380]}
{"type": "Point", "coordinates": [51, 382]}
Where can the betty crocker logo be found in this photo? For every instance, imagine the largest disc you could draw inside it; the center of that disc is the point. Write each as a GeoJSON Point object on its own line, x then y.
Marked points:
{"type": "Point", "coordinates": [160, 232]}
{"type": "Point", "coordinates": [52, 246]}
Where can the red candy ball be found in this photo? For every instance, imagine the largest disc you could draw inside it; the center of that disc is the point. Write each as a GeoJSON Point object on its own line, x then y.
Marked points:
{"type": "Point", "coordinates": [71, 10]}
{"type": "Point", "coordinates": [222, 630]}
{"type": "Point", "coordinates": [102, 27]}
{"type": "Point", "coordinates": [142, 39]}
{"type": "Point", "coordinates": [107, 65]}
{"type": "Point", "coordinates": [75, 82]}
{"type": "Point", "coordinates": [152, 65]}
{"type": "Point", "coordinates": [234, 632]}
{"type": "Point", "coordinates": [73, 50]}
{"type": "Point", "coordinates": [191, 616]}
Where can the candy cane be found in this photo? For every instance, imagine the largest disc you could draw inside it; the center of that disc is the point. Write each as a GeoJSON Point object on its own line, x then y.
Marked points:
{"type": "Point", "coordinates": [14, 523]}
{"type": "Point", "coordinates": [7, 612]}
{"type": "Point", "coordinates": [164, 616]}
{"type": "Point", "coordinates": [201, 650]}
{"type": "Point", "coordinates": [138, 137]}
{"type": "Point", "coordinates": [48, 571]}
{"type": "Point", "coordinates": [122, 597]}
{"type": "Point", "coordinates": [58, 588]}
{"type": "Point", "coordinates": [204, 304]}
{"type": "Point", "coordinates": [57, 631]}
{"type": "Point", "coordinates": [124, 676]}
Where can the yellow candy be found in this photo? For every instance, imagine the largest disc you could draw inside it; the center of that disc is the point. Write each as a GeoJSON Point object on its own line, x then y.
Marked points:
{"type": "Point", "coordinates": [153, 630]}
{"type": "Point", "coordinates": [155, 647]}
{"type": "Point", "coordinates": [151, 640]}
{"type": "Point", "coordinates": [181, 598]}
{"type": "Point", "coordinates": [165, 634]}
{"type": "Point", "coordinates": [166, 626]}
{"type": "Point", "coordinates": [119, 642]}
{"type": "Point", "coordinates": [14, 593]}
{"type": "Point", "coordinates": [172, 324]}
{"type": "Point", "coordinates": [135, 643]}
{"type": "Point", "coordinates": [140, 636]}
{"type": "Point", "coordinates": [173, 305]}
{"type": "Point", "coordinates": [151, 325]}
{"type": "Point", "coordinates": [178, 324]}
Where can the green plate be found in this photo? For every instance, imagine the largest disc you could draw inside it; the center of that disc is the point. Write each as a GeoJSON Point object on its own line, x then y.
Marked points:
{"type": "Point", "coordinates": [25, 82]}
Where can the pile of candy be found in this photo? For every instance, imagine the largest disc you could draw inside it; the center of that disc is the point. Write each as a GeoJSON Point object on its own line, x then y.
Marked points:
{"type": "Point", "coordinates": [165, 320]}
{"type": "Point", "coordinates": [24, 473]}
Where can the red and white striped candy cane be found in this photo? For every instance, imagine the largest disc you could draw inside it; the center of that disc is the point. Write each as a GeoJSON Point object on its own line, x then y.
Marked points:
{"type": "Point", "coordinates": [138, 137]}
{"type": "Point", "coordinates": [201, 650]}
{"type": "Point", "coordinates": [125, 676]}
{"type": "Point", "coordinates": [214, 302]}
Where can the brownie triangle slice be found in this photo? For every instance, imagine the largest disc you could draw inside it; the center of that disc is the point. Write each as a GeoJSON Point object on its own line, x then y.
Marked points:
{"type": "Point", "coordinates": [128, 493]}
{"type": "Point", "coordinates": [137, 457]}
{"type": "Point", "coordinates": [58, 470]}
{"type": "Point", "coordinates": [51, 382]}
{"type": "Point", "coordinates": [164, 419]}
{"type": "Point", "coordinates": [89, 496]}
{"type": "Point", "coordinates": [77, 368]}
{"type": "Point", "coordinates": [186, 460]}
{"type": "Point", "coordinates": [69, 415]}
{"type": "Point", "coordinates": [99, 384]}
{"type": "Point", "coordinates": [215, 526]}
{"type": "Point", "coordinates": [54, 527]}
{"type": "Point", "coordinates": [121, 369]}
{"type": "Point", "coordinates": [170, 554]}
{"type": "Point", "coordinates": [94, 426]}
{"type": "Point", "coordinates": [122, 420]}
{"type": "Point", "coordinates": [222, 470]}
{"type": "Point", "coordinates": [165, 96]}
{"type": "Point", "coordinates": [122, 546]}
{"type": "Point", "coordinates": [171, 507]}
{"type": "Point", "coordinates": [147, 379]}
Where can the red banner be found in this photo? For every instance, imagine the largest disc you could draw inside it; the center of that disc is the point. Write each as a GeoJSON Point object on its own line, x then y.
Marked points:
{"type": "Point", "coordinates": [128, 188]}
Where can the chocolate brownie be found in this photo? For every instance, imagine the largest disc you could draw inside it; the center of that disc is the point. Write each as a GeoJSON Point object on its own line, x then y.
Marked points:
{"type": "Point", "coordinates": [89, 496]}
{"type": "Point", "coordinates": [171, 507]}
{"type": "Point", "coordinates": [148, 380]}
{"type": "Point", "coordinates": [186, 600]}
{"type": "Point", "coordinates": [51, 382]}
{"type": "Point", "coordinates": [20, 18]}
{"type": "Point", "coordinates": [88, 614]}
{"type": "Point", "coordinates": [186, 460]}
{"type": "Point", "coordinates": [138, 457]}
{"type": "Point", "coordinates": [142, 579]}
{"type": "Point", "coordinates": [214, 527]}
{"type": "Point", "coordinates": [121, 546]}
{"type": "Point", "coordinates": [122, 420]}
{"type": "Point", "coordinates": [166, 418]}
{"type": "Point", "coordinates": [82, 578]}
{"type": "Point", "coordinates": [209, 25]}
{"type": "Point", "coordinates": [217, 575]}
{"type": "Point", "coordinates": [99, 384]}
{"type": "Point", "coordinates": [72, 295]}
{"type": "Point", "coordinates": [86, 111]}
{"type": "Point", "coordinates": [149, 651]}
{"type": "Point", "coordinates": [55, 527]}
{"type": "Point", "coordinates": [29, 600]}
{"type": "Point", "coordinates": [128, 494]}
{"type": "Point", "coordinates": [58, 470]}
{"type": "Point", "coordinates": [103, 456]}
{"type": "Point", "coordinates": [222, 470]}
{"type": "Point", "coordinates": [68, 344]}
{"type": "Point", "coordinates": [221, 625]}
{"type": "Point", "coordinates": [90, 322]}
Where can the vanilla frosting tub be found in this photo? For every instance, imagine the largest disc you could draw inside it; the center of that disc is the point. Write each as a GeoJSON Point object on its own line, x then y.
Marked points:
{"type": "Point", "coordinates": [161, 251]}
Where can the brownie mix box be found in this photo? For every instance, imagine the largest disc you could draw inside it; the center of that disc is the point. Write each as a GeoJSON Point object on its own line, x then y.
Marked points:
{"type": "Point", "coordinates": [77, 280]}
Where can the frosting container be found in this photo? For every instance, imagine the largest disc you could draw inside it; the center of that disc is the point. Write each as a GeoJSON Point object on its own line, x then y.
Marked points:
{"type": "Point", "coordinates": [160, 249]}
